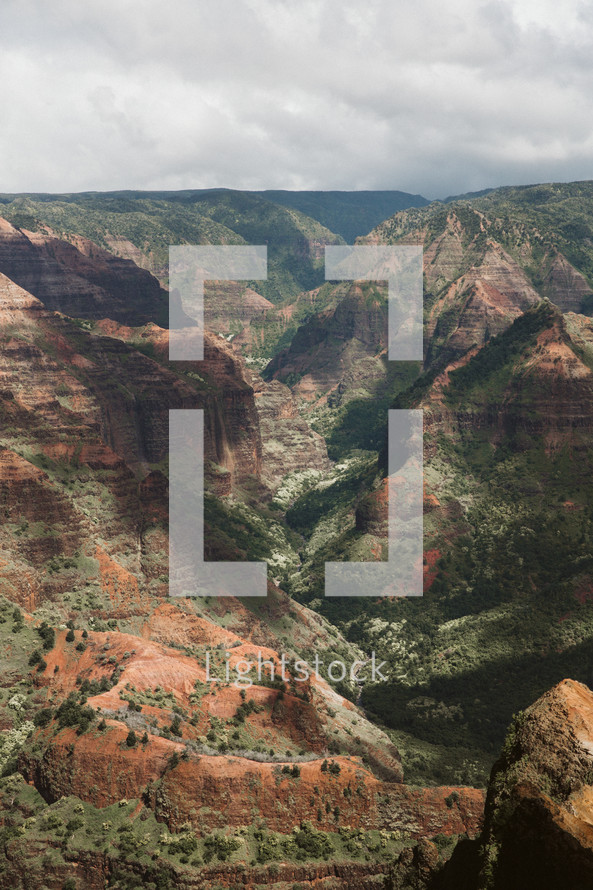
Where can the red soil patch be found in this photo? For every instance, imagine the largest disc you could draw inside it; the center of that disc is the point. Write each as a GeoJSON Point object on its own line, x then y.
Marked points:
{"type": "Point", "coordinates": [431, 558]}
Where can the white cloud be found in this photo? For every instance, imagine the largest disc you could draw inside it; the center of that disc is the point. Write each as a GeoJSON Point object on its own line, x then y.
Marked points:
{"type": "Point", "coordinates": [268, 93]}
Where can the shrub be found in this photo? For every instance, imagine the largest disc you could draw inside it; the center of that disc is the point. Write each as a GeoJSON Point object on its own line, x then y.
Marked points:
{"type": "Point", "coordinates": [43, 717]}
{"type": "Point", "coordinates": [216, 845]}
{"type": "Point", "coordinates": [311, 842]}
{"type": "Point", "coordinates": [47, 634]}
{"type": "Point", "coordinates": [35, 657]}
{"type": "Point", "coordinates": [186, 844]}
{"type": "Point", "coordinates": [73, 713]}
{"type": "Point", "coordinates": [131, 739]}
{"type": "Point", "coordinates": [70, 636]}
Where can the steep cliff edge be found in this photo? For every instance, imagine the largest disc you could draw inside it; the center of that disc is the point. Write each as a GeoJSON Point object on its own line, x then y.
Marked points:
{"type": "Point", "coordinates": [80, 279]}
{"type": "Point", "coordinates": [538, 826]}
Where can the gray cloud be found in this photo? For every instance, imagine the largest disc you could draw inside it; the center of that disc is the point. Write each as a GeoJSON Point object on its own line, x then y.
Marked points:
{"type": "Point", "coordinates": [272, 94]}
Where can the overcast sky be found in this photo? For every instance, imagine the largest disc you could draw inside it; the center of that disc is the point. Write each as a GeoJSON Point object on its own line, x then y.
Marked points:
{"type": "Point", "coordinates": [314, 94]}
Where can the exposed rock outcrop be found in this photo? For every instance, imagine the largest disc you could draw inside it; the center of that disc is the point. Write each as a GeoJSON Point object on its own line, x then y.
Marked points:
{"type": "Point", "coordinates": [288, 442]}
{"type": "Point", "coordinates": [80, 279]}
{"type": "Point", "coordinates": [538, 830]}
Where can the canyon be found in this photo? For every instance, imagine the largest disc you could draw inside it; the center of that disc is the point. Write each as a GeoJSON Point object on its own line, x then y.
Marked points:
{"type": "Point", "coordinates": [123, 766]}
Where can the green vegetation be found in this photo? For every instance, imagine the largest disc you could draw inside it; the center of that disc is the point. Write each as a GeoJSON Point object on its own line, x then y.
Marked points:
{"type": "Point", "coordinates": [151, 221]}
{"type": "Point", "coordinates": [73, 712]}
{"type": "Point", "coordinates": [350, 214]}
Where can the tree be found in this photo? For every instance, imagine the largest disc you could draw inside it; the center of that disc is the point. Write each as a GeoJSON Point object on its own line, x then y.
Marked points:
{"type": "Point", "coordinates": [70, 636]}
{"type": "Point", "coordinates": [131, 739]}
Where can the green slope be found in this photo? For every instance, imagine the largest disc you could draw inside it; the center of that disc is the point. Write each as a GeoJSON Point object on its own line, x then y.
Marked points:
{"type": "Point", "coordinates": [350, 214]}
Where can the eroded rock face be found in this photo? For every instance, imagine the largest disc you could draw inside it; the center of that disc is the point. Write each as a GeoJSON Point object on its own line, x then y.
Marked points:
{"type": "Point", "coordinates": [538, 823]}
{"type": "Point", "coordinates": [288, 442]}
{"type": "Point", "coordinates": [565, 286]}
{"type": "Point", "coordinates": [78, 278]}
{"type": "Point", "coordinates": [340, 352]}
{"type": "Point", "coordinates": [538, 830]}
{"type": "Point", "coordinates": [209, 790]}
{"type": "Point", "coordinates": [85, 417]}
{"type": "Point", "coordinates": [549, 393]}
{"type": "Point", "coordinates": [477, 305]}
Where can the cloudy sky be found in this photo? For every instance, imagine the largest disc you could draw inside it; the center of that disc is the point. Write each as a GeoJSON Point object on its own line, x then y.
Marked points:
{"type": "Point", "coordinates": [111, 94]}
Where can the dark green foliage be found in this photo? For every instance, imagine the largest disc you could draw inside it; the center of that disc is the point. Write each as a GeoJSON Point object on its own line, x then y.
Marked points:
{"type": "Point", "coordinates": [312, 843]}
{"type": "Point", "coordinates": [72, 713]}
{"type": "Point", "coordinates": [48, 635]}
{"type": "Point", "coordinates": [217, 846]}
{"type": "Point", "coordinates": [176, 726]}
{"type": "Point", "coordinates": [350, 214]}
{"type": "Point", "coordinates": [186, 844]}
{"type": "Point", "coordinates": [131, 739]}
{"type": "Point", "coordinates": [43, 717]}
{"type": "Point", "coordinates": [305, 843]}
{"type": "Point", "coordinates": [70, 636]}
{"type": "Point", "coordinates": [306, 512]}
{"type": "Point", "coordinates": [227, 534]}
{"type": "Point", "coordinates": [92, 687]}
{"type": "Point", "coordinates": [121, 878]}
{"type": "Point", "coordinates": [35, 658]}
{"type": "Point", "coordinates": [362, 423]}
{"type": "Point", "coordinates": [245, 709]}
{"type": "Point", "coordinates": [500, 351]}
